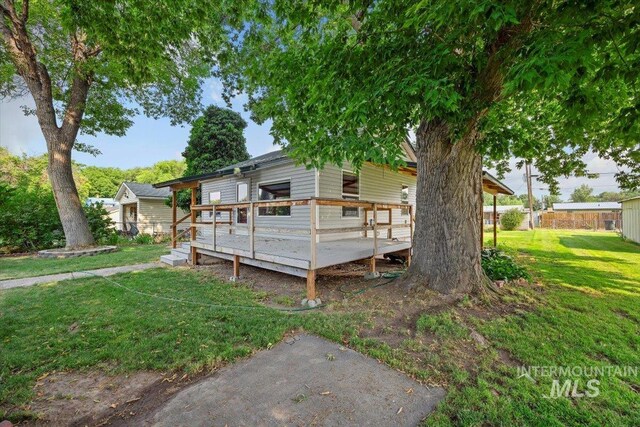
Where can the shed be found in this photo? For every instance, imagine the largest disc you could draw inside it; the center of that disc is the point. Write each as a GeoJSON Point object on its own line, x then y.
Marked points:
{"type": "Point", "coordinates": [631, 218]}
{"type": "Point", "coordinates": [144, 206]}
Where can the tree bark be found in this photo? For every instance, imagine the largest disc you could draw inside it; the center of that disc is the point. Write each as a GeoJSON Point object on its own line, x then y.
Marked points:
{"type": "Point", "coordinates": [59, 140]}
{"type": "Point", "coordinates": [74, 222]}
{"type": "Point", "coordinates": [446, 242]}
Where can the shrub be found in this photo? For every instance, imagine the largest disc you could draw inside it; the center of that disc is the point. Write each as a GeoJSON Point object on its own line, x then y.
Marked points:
{"type": "Point", "coordinates": [511, 219]}
{"type": "Point", "coordinates": [28, 220]}
{"type": "Point", "coordinates": [102, 227]}
{"type": "Point", "coordinates": [500, 266]}
{"type": "Point", "coordinates": [143, 239]}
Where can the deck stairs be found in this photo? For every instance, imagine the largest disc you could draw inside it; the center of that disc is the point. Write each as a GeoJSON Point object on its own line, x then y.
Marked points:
{"type": "Point", "coordinates": [178, 256]}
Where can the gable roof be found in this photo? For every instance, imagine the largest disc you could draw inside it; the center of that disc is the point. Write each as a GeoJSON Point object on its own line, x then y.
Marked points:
{"type": "Point", "coordinates": [144, 190]}
{"type": "Point", "coordinates": [490, 182]}
{"type": "Point", "coordinates": [587, 206]}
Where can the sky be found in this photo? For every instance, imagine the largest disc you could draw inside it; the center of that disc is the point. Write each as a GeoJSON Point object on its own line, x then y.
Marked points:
{"type": "Point", "coordinates": [149, 141]}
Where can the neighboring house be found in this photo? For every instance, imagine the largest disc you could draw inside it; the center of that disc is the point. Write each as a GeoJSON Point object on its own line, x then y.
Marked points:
{"type": "Point", "coordinates": [631, 219]}
{"type": "Point", "coordinates": [106, 202]}
{"type": "Point", "coordinates": [488, 214]}
{"type": "Point", "coordinates": [274, 214]}
{"type": "Point", "coordinates": [145, 207]}
{"type": "Point", "coordinates": [587, 207]}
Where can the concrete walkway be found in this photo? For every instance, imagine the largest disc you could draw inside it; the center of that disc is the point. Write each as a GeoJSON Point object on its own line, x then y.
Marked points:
{"type": "Point", "coordinates": [30, 281]}
{"type": "Point", "coordinates": [304, 380]}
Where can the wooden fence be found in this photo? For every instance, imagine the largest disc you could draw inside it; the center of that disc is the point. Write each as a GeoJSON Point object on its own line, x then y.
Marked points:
{"type": "Point", "coordinates": [580, 220]}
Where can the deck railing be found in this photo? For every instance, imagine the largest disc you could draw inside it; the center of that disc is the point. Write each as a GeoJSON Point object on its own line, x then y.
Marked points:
{"type": "Point", "coordinates": [313, 231]}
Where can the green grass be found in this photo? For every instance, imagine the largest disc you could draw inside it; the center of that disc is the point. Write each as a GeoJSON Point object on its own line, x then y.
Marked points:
{"type": "Point", "coordinates": [95, 324]}
{"type": "Point", "coordinates": [588, 315]}
{"type": "Point", "coordinates": [28, 266]}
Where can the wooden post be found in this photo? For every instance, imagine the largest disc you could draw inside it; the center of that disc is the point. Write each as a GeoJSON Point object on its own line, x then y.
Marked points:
{"type": "Point", "coordinates": [313, 235]}
{"type": "Point", "coordinates": [311, 284]}
{"type": "Point", "coordinates": [375, 229]}
{"type": "Point", "coordinates": [174, 226]}
{"type": "Point", "coordinates": [372, 264]}
{"type": "Point", "coordinates": [313, 255]}
{"type": "Point", "coordinates": [495, 221]}
{"type": "Point", "coordinates": [390, 234]}
{"type": "Point", "coordinates": [236, 266]}
{"type": "Point", "coordinates": [252, 241]}
{"type": "Point", "coordinates": [194, 260]}
{"type": "Point", "coordinates": [214, 221]}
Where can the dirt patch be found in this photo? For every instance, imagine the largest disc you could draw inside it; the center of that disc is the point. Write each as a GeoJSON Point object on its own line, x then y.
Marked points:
{"type": "Point", "coordinates": [64, 397]}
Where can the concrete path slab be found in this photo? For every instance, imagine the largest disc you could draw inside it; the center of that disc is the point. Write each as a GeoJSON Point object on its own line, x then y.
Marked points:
{"type": "Point", "coordinates": [30, 281]}
{"type": "Point", "coordinates": [307, 381]}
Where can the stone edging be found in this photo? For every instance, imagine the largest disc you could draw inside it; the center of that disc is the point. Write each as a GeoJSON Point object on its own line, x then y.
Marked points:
{"type": "Point", "coordinates": [61, 253]}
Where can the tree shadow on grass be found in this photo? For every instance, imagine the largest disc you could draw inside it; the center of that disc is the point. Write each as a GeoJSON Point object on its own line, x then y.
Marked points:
{"type": "Point", "coordinates": [573, 270]}
{"type": "Point", "coordinates": [606, 243]}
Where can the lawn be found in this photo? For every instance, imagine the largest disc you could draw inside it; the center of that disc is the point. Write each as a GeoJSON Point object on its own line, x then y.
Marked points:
{"type": "Point", "coordinates": [587, 314]}
{"type": "Point", "coordinates": [96, 323]}
{"type": "Point", "coordinates": [28, 266]}
{"type": "Point", "coordinates": [584, 310]}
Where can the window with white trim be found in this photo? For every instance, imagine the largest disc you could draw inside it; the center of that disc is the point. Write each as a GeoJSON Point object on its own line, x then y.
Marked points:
{"type": "Point", "coordinates": [215, 198]}
{"type": "Point", "coordinates": [404, 199]}
{"type": "Point", "coordinates": [274, 191]}
{"type": "Point", "coordinates": [350, 191]}
{"type": "Point", "coordinates": [242, 195]}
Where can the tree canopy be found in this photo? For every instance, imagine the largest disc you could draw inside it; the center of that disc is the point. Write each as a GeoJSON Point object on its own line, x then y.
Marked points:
{"type": "Point", "coordinates": [546, 81]}
{"type": "Point", "coordinates": [216, 140]}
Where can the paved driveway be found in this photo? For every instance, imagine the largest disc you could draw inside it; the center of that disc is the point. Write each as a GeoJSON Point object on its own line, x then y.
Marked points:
{"type": "Point", "coordinates": [304, 380]}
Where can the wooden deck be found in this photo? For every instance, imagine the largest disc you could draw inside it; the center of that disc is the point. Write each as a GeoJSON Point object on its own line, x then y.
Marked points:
{"type": "Point", "coordinates": [296, 253]}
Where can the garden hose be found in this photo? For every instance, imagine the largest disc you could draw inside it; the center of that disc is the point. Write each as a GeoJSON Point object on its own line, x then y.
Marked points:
{"type": "Point", "coordinates": [391, 275]}
{"type": "Point", "coordinates": [203, 304]}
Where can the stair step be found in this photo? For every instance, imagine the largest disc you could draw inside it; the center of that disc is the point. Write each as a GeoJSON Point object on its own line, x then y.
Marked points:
{"type": "Point", "coordinates": [186, 246]}
{"type": "Point", "coordinates": [173, 260]}
{"type": "Point", "coordinates": [181, 251]}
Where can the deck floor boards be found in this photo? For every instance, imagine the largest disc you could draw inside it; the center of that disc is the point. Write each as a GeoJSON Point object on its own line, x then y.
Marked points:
{"type": "Point", "coordinates": [292, 251]}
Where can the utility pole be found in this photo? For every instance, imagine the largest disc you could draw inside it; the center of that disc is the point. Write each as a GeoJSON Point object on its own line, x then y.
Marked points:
{"type": "Point", "coordinates": [530, 191]}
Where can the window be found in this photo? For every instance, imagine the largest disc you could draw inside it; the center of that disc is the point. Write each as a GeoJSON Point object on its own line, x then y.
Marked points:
{"type": "Point", "coordinates": [215, 198]}
{"type": "Point", "coordinates": [350, 191]}
{"type": "Point", "coordinates": [404, 199]}
{"type": "Point", "coordinates": [274, 191]}
{"type": "Point", "coordinates": [242, 191]}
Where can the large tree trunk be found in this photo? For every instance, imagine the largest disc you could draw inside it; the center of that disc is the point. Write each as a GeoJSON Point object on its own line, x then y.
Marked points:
{"type": "Point", "coordinates": [74, 222]}
{"type": "Point", "coordinates": [446, 242]}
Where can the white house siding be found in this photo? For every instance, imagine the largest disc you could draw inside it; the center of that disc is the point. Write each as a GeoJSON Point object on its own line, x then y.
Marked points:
{"type": "Point", "coordinates": [128, 199]}
{"type": "Point", "coordinates": [302, 186]}
{"type": "Point", "coordinates": [631, 219]}
{"type": "Point", "coordinates": [155, 216]}
{"type": "Point", "coordinates": [377, 184]}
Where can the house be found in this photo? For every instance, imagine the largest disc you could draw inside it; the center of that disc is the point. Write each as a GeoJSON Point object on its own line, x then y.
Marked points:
{"type": "Point", "coordinates": [269, 212]}
{"type": "Point", "coordinates": [145, 207]}
{"type": "Point", "coordinates": [106, 202]}
{"type": "Point", "coordinates": [631, 219]}
{"type": "Point", "coordinates": [488, 214]}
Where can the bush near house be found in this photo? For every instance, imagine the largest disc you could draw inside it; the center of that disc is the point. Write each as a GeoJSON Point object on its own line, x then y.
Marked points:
{"type": "Point", "coordinates": [29, 220]}
{"type": "Point", "coordinates": [511, 219]}
{"type": "Point", "coordinates": [500, 266]}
